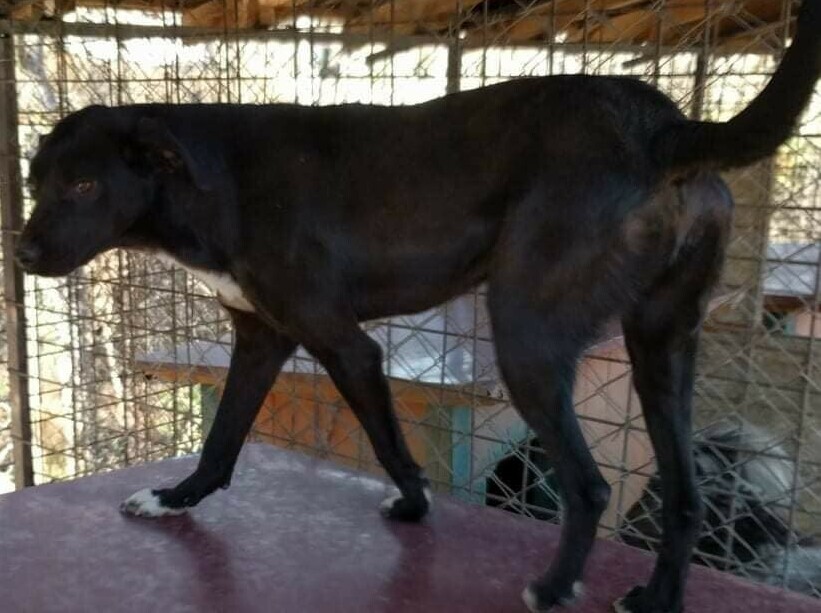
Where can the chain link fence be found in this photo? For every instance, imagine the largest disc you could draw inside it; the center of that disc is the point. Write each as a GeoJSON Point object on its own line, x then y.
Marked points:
{"type": "Point", "coordinates": [124, 361]}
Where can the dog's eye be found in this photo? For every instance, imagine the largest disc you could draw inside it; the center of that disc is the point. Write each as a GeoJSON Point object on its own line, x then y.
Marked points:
{"type": "Point", "coordinates": [83, 187]}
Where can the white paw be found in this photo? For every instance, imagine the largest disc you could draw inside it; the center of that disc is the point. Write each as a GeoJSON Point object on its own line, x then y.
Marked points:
{"type": "Point", "coordinates": [387, 504]}
{"type": "Point", "coordinates": [532, 602]}
{"type": "Point", "coordinates": [146, 504]}
{"type": "Point", "coordinates": [619, 606]}
{"type": "Point", "coordinates": [578, 591]}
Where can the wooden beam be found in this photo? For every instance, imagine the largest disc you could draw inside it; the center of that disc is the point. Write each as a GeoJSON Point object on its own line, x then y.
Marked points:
{"type": "Point", "coordinates": [29, 9]}
{"type": "Point", "coordinates": [410, 16]}
{"type": "Point", "coordinates": [223, 14]}
{"type": "Point", "coordinates": [640, 25]}
{"type": "Point", "coordinates": [538, 20]}
{"type": "Point", "coordinates": [520, 29]}
{"type": "Point", "coordinates": [279, 14]}
{"type": "Point", "coordinates": [432, 27]}
{"type": "Point", "coordinates": [348, 37]}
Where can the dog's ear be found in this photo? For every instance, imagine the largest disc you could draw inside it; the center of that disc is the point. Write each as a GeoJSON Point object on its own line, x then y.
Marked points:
{"type": "Point", "coordinates": [157, 147]}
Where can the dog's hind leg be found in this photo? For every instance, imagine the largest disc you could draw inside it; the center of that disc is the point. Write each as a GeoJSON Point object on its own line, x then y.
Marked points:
{"type": "Point", "coordinates": [538, 346]}
{"type": "Point", "coordinates": [561, 269]}
{"type": "Point", "coordinates": [661, 334]}
{"type": "Point", "coordinates": [258, 355]}
{"type": "Point", "coordinates": [663, 374]}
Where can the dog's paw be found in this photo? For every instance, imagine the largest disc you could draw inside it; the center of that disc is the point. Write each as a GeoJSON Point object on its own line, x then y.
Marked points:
{"type": "Point", "coordinates": [405, 509]}
{"type": "Point", "coordinates": [539, 600]}
{"type": "Point", "coordinates": [147, 503]}
{"type": "Point", "coordinates": [636, 601]}
{"type": "Point", "coordinates": [620, 606]}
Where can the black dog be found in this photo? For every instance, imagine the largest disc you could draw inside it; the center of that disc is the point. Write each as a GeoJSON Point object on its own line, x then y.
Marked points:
{"type": "Point", "coordinates": [575, 198]}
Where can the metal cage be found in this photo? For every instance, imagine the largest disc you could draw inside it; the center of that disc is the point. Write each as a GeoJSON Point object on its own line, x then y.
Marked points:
{"type": "Point", "coordinates": [123, 361]}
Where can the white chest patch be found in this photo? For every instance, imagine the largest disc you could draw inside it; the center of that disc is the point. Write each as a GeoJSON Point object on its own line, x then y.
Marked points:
{"type": "Point", "coordinates": [222, 284]}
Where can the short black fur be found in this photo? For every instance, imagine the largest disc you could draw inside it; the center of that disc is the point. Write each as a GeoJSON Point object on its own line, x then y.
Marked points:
{"type": "Point", "coordinates": [577, 199]}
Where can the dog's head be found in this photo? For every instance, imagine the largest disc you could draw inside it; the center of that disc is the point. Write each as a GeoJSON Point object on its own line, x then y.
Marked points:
{"type": "Point", "coordinates": [93, 178]}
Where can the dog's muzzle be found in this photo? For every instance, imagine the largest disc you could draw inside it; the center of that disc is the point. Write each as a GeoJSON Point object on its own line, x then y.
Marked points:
{"type": "Point", "coordinates": [27, 255]}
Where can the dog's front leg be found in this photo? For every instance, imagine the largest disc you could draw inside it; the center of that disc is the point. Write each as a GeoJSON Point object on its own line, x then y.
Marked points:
{"type": "Point", "coordinates": [354, 362]}
{"type": "Point", "coordinates": [259, 353]}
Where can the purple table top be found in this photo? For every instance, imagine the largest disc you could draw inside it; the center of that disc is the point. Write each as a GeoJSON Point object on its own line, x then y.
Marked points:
{"type": "Point", "coordinates": [294, 534]}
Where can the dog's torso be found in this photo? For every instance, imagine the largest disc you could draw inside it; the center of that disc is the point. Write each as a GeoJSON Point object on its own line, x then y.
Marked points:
{"type": "Point", "coordinates": [395, 210]}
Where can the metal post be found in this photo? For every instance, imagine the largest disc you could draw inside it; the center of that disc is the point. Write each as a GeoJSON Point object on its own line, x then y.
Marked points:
{"type": "Point", "coordinates": [454, 63]}
{"type": "Point", "coordinates": [697, 105]}
{"type": "Point", "coordinates": [11, 213]}
{"type": "Point", "coordinates": [702, 66]}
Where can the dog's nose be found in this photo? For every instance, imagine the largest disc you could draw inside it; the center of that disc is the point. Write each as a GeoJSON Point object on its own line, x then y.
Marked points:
{"type": "Point", "coordinates": [27, 255]}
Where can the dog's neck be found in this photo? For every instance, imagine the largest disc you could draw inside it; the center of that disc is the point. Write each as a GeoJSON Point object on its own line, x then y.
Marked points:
{"type": "Point", "coordinates": [195, 244]}
{"type": "Point", "coordinates": [193, 233]}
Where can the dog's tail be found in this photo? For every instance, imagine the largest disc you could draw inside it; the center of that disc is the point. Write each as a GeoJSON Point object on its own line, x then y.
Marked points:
{"type": "Point", "coordinates": [758, 131]}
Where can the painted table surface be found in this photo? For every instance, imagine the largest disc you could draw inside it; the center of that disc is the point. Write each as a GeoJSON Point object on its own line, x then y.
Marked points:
{"type": "Point", "coordinates": [295, 534]}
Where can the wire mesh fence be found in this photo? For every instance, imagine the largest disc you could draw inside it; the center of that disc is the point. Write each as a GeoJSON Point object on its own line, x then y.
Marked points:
{"type": "Point", "coordinates": [126, 358]}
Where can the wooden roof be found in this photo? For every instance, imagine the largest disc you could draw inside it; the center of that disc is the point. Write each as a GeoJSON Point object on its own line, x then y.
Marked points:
{"type": "Point", "coordinates": [748, 25]}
